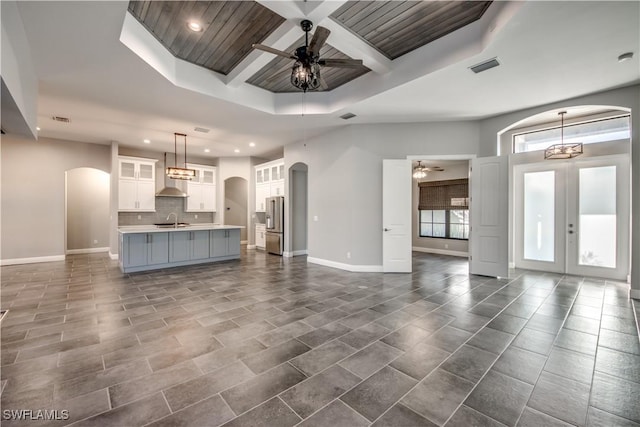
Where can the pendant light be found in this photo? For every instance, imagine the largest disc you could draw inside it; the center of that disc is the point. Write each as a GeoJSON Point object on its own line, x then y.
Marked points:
{"type": "Point", "coordinates": [419, 171]}
{"type": "Point", "coordinates": [562, 150]}
{"type": "Point", "coordinates": [180, 173]}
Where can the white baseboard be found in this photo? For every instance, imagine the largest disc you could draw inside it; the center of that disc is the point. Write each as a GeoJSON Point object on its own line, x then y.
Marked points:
{"type": "Point", "coordinates": [87, 251]}
{"type": "Point", "coordinates": [32, 260]}
{"type": "Point", "coordinates": [347, 267]}
{"type": "Point", "coordinates": [251, 246]}
{"type": "Point", "coordinates": [113, 256]}
{"type": "Point", "coordinates": [294, 253]}
{"type": "Point", "coordinates": [634, 293]}
{"type": "Point", "coordinates": [440, 251]}
{"type": "Point", "coordinates": [244, 242]}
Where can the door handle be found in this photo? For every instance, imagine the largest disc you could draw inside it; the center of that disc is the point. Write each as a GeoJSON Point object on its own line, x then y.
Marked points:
{"type": "Point", "coordinates": [387, 229]}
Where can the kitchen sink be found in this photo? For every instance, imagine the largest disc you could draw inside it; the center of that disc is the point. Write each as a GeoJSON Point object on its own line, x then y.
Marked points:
{"type": "Point", "coordinates": [171, 224]}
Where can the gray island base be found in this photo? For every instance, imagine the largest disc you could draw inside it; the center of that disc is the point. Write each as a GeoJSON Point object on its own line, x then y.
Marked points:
{"type": "Point", "coordinates": [143, 248]}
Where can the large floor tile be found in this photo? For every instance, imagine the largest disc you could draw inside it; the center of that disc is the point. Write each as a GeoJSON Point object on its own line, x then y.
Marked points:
{"type": "Point", "coordinates": [561, 398]}
{"type": "Point", "coordinates": [271, 413]}
{"type": "Point", "coordinates": [370, 359]}
{"type": "Point", "coordinates": [616, 395]}
{"type": "Point", "coordinates": [379, 392]}
{"type": "Point", "coordinates": [335, 414]}
{"type": "Point", "coordinates": [500, 397]}
{"type": "Point", "coordinates": [438, 396]}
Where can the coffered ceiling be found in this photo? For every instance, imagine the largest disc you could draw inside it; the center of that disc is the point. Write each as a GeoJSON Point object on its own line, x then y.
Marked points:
{"type": "Point", "coordinates": [98, 65]}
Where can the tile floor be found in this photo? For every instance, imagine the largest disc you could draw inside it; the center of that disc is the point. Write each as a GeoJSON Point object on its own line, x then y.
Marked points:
{"type": "Point", "coordinates": [267, 341]}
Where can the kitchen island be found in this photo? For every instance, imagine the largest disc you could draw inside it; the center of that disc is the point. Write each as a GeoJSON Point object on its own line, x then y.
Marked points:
{"type": "Point", "coordinates": [149, 247]}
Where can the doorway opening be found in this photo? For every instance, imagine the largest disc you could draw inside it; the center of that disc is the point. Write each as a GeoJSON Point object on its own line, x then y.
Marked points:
{"type": "Point", "coordinates": [87, 198]}
{"type": "Point", "coordinates": [298, 209]}
{"type": "Point", "coordinates": [235, 204]}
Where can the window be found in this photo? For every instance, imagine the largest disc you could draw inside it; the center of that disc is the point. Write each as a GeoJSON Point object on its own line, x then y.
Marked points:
{"type": "Point", "coordinates": [602, 130]}
{"type": "Point", "coordinates": [443, 209]}
{"type": "Point", "coordinates": [447, 224]}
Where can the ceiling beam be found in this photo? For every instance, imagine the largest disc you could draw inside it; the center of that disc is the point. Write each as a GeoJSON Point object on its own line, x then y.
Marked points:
{"type": "Point", "coordinates": [355, 47]}
{"type": "Point", "coordinates": [283, 37]}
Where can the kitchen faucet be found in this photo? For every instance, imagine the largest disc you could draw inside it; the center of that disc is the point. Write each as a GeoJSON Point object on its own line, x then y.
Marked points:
{"type": "Point", "coordinates": [175, 224]}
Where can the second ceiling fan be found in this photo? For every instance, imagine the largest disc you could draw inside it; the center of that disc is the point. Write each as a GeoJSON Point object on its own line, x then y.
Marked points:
{"type": "Point", "coordinates": [305, 73]}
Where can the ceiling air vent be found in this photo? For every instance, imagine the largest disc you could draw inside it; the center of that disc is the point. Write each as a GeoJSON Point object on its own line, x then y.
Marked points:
{"type": "Point", "coordinates": [484, 66]}
{"type": "Point", "coordinates": [347, 116]}
{"type": "Point", "coordinates": [203, 130]}
{"type": "Point", "coordinates": [61, 119]}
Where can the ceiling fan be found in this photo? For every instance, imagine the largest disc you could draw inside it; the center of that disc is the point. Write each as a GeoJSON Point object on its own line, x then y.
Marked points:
{"type": "Point", "coordinates": [421, 171]}
{"type": "Point", "coordinates": [305, 73]}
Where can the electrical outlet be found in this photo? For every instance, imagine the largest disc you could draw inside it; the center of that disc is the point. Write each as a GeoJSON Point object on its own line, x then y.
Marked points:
{"type": "Point", "coordinates": [315, 218]}
{"type": "Point", "coordinates": [348, 255]}
{"type": "Point", "coordinates": [196, 216]}
{"type": "Point", "coordinates": [95, 242]}
{"type": "Point", "coordinates": [446, 246]}
{"type": "Point", "coordinates": [139, 216]}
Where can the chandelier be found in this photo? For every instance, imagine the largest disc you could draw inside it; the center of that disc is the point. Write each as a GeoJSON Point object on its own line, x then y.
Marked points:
{"type": "Point", "coordinates": [180, 173]}
{"type": "Point", "coordinates": [419, 172]}
{"type": "Point", "coordinates": [562, 150]}
{"type": "Point", "coordinates": [305, 75]}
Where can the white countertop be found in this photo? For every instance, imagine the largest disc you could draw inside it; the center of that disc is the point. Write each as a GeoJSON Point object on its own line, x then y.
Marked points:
{"type": "Point", "coordinates": [150, 228]}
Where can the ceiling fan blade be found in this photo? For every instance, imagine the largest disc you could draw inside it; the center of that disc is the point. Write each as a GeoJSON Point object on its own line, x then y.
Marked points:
{"type": "Point", "coordinates": [341, 63]}
{"type": "Point", "coordinates": [323, 83]}
{"type": "Point", "coordinates": [319, 38]}
{"type": "Point", "coordinates": [272, 50]}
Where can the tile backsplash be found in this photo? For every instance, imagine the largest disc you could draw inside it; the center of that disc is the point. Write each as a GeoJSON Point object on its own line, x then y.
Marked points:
{"type": "Point", "coordinates": [164, 206]}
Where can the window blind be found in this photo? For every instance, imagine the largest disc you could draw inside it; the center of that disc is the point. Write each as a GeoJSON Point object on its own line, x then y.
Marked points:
{"type": "Point", "coordinates": [444, 195]}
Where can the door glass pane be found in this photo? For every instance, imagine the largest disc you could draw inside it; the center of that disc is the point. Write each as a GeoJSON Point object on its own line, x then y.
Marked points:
{"type": "Point", "coordinates": [539, 216]}
{"type": "Point", "coordinates": [597, 216]}
{"type": "Point", "coordinates": [127, 170]}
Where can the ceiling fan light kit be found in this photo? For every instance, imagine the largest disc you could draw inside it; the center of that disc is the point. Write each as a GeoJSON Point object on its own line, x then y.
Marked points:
{"type": "Point", "coordinates": [305, 72]}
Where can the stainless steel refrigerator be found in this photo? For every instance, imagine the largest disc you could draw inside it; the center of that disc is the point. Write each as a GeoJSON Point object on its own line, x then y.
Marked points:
{"type": "Point", "coordinates": [275, 225]}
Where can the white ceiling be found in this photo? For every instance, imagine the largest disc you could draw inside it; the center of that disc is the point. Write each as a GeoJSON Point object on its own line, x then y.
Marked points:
{"type": "Point", "coordinates": [549, 51]}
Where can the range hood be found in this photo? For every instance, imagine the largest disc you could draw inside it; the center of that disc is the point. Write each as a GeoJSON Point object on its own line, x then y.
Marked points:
{"type": "Point", "coordinates": [169, 190]}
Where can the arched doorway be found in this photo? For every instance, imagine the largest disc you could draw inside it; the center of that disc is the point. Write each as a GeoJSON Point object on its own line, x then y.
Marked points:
{"type": "Point", "coordinates": [87, 211]}
{"type": "Point", "coordinates": [235, 204]}
{"type": "Point", "coordinates": [298, 207]}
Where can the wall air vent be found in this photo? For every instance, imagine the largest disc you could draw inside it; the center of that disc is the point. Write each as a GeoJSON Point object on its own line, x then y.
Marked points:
{"type": "Point", "coordinates": [347, 116]}
{"type": "Point", "coordinates": [484, 66]}
{"type": "Point", "coordinates": [61, 119]}
{"type": "Point", "coordinates": [203, 130]}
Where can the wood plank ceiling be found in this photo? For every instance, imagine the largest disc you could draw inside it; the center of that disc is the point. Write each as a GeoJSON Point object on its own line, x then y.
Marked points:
{"type": "Point", "coordinates": [231, 27]}
{"type": "Point", "coordinates": [398, 27]}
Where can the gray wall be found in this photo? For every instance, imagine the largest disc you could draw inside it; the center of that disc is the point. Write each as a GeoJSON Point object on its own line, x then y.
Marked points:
{"type": "Point", "coordinates": [452, 170]}
{"type": "Point", "coordinates": [299, 213]}
{"type": "Point", "coordinates": [235, 203]}
{"type": "Point", "coordinates": [345, 181]}
{"type": "Point", "coordinates": [33, 192]}
{"type": "Point", "coordinates": [88, 199]}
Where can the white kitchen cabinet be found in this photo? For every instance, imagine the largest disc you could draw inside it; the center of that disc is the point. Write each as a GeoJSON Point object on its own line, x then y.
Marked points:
{"type": "Point", "coordinates": [261, 239]}
{"type": "Point", "coordinates": [202, 190]}
{"type": "Point", "coordinates": [269, 182]}
{"type": "Point", "coordinates": [137, 184]}
{"type": "Point", "coordinates": [225, 242]}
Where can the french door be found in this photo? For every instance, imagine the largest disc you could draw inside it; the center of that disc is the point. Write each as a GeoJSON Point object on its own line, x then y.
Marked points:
{"type": "Point", "coordinates": [573, 217]}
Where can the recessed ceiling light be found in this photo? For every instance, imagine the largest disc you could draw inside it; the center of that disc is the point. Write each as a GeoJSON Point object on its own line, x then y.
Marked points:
{"type": "Point", "coordinates": [38, 128]}
{"type": "Point", "coordinates": [146, 141]}
{"type": "Point", "coordinates": [194, 26]}
{"type": "Point", "coordinates": [206, 150]}
{"type": "Point", "coordinates": [625, 56]}
{"type": "Point", "coordinates": [252, 144]}
{"type": "Point", "coordinates": [236, 151]}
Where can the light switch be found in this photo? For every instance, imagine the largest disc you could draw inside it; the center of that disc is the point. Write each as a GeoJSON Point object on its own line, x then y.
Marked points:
{"type": "Point", "coordinates": [315, 218]}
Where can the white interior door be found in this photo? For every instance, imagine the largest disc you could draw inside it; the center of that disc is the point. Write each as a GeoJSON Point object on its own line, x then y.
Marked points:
{"type": "Point", "coordinates": [396, 216]}
{"type": "Point", "coordinates": [573, 217]}
{"type": "Point", "coordinates": [489, 209]}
